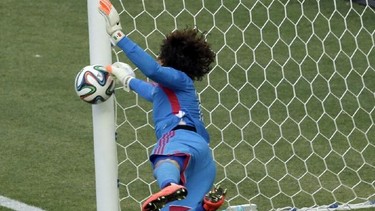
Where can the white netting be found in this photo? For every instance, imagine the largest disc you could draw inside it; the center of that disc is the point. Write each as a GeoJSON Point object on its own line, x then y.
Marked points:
{"type": "Point", "coordinates": [289, 104]}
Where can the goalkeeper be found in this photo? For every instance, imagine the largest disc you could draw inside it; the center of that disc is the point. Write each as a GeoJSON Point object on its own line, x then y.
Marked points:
{"type": "Point", "coordinates": [181, 159]}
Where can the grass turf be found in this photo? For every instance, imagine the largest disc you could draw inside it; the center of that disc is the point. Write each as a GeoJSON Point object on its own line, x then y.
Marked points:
{"type": "Point", "coordinates": [287, 121]}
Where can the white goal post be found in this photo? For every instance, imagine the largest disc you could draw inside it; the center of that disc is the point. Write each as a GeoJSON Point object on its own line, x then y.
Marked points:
{"type": "Point", "coordinates": [289, 104]}
{"type": "Point", "coordinates": [105, 151]}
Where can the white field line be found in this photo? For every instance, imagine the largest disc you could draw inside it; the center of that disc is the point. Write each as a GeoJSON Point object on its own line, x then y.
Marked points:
{"type": "Point", "coordinates": [16, 205]}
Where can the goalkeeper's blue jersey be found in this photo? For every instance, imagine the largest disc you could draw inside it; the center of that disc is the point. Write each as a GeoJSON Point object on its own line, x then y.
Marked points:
{"type": "Point", "coordinates": [172, 93]}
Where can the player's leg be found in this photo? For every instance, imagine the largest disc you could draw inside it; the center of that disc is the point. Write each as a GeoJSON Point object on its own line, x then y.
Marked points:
{"type": "Point", "coordinates": [167, 169]}
{"type": "Point", "coordinates": [201, 181]}
{"type": "Point", "coordinates": [200, 175]}
{"type": "Point", "coordinates": [197, 171]}
{"type": "Point", "coordinates": [167, 172]}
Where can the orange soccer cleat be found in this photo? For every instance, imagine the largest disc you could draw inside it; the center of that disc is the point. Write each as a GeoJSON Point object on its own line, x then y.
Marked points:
{"type": "Point", "coordinates": [168, 194]}
{"type": "Point", "coordinates": [214, 199]}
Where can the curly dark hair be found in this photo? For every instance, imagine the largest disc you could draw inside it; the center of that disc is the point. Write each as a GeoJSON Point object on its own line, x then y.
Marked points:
{"type": "Point", "coordinates": [187, 50]}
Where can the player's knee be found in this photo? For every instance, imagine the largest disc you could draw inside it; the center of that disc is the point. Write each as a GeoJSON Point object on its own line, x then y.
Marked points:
{"type": "Point", "coordinates": [178, 161]}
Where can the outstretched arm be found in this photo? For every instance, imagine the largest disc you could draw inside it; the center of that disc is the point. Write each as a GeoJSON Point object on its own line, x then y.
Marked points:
{"type": "Point", "coordinates": [166, 76]}
{"type": "Point", "coordinates": [148, 65]}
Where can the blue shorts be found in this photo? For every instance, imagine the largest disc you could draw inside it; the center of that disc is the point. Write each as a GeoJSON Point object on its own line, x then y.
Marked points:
{"type": "Point", "coordinates": [198, 171]}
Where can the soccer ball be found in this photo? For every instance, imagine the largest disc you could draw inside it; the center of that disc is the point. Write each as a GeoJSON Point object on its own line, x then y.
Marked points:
{"type": "Point", "coordinates": [93, 84]}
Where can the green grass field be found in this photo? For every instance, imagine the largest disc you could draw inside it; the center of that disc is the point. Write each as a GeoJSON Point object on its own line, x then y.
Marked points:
{"type": "Point", "coordinates": [295, 127]}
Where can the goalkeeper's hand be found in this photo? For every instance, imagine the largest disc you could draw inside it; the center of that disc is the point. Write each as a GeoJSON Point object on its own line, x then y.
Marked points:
{"type": "Point", "coordinates": [123, 72]}
{"type": "Point", "coordinates": [112, 20]}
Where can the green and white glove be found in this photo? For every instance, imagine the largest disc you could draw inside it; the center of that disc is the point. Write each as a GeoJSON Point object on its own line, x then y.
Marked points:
{"type": "Point", "coordinates": [123, 72]}
{"type": "Point", "coordinates": [112, 19]}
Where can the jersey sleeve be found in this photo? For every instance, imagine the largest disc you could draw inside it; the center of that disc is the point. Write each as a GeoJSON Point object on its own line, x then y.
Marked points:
{"type": "Point", "coordinates": [143, 88]}
{"type": "Point", "coordinates": [168, 77]}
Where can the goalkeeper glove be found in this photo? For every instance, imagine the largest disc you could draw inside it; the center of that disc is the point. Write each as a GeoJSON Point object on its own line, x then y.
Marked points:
{"type": "Point", "coordinates": [112, 20]}
{"type": "Point", "coordinates": [123, 72]}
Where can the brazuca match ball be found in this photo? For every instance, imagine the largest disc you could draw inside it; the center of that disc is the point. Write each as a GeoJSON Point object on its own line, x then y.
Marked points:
{"type": "Point", "coordinates": [93, 84]}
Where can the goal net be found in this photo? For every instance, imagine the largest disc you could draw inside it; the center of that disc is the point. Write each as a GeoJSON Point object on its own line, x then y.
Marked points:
{"type": "Point", "coordinates": [289, 103]}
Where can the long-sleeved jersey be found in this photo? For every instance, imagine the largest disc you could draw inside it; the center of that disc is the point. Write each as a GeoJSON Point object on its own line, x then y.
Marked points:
{"type": "Point", "coordinates": [173, 94]}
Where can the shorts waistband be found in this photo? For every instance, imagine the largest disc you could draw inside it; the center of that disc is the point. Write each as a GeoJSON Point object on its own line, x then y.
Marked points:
{"type": "Point", "coordinates": [185, 127]}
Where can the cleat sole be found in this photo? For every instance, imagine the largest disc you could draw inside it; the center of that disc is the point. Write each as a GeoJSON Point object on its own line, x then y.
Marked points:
{"type": "Point", "coordinates": [160, 202]}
